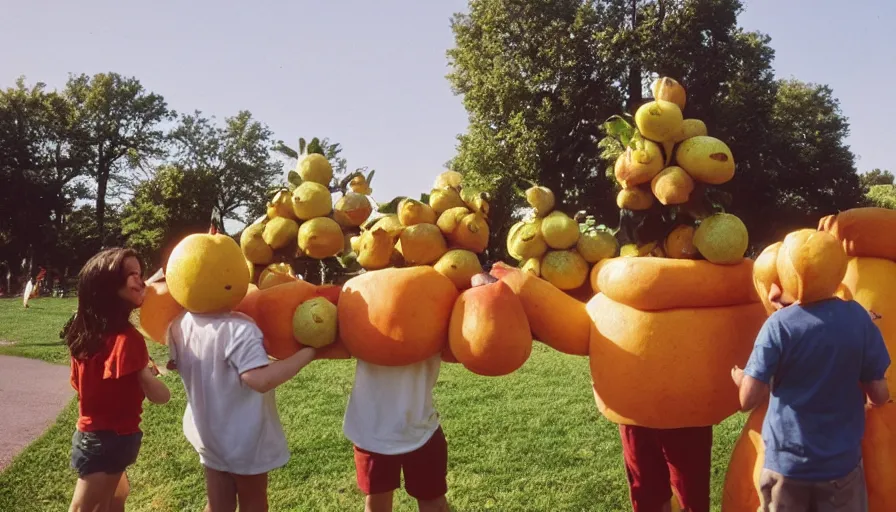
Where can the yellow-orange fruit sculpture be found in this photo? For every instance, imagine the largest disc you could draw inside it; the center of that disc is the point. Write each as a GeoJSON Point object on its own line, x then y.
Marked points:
{"type": "Point", "coordinates": [556, 319]}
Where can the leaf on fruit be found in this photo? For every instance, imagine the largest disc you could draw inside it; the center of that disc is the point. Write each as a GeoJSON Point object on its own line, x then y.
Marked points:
{"type": "Point", "coordinates": [293, 178]}
{"type": "Point", "coordinates": [424, 198]}
{"type": "Point", "coordinates": [391, 206]}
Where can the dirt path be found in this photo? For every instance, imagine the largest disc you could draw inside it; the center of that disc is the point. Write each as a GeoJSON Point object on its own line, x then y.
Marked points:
{"type": "Point", "coordinates": [32, 394]}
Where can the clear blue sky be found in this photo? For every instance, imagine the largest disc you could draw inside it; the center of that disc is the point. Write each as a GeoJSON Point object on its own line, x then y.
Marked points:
{"type": "Point", "coordinates": [371, 75]}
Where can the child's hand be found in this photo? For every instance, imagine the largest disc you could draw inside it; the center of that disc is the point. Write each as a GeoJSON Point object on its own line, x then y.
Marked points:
{"type": "Point", "coordinates": [737, 375]}
{"type": "Point", "coordinates": [482, 278]}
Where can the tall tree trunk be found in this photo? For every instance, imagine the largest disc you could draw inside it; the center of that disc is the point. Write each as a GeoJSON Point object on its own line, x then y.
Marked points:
{"type": "Point", "coordinates": [102, 183]}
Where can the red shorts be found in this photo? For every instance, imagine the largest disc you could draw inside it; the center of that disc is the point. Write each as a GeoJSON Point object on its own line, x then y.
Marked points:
{"type": "Point", "coordinates": [425, 470]}
{"type": "Point", "coordinates": [659, 460]}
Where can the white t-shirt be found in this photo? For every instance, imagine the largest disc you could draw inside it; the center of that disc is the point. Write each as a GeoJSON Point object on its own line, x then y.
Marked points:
{"type": "Point", "coordinates": [234, 428]}
{"type": "Point", "coordinates": [391, 410]}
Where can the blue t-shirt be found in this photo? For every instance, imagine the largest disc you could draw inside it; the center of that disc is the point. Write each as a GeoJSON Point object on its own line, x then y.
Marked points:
{"type": "Point", "coordinates": [818, 354]}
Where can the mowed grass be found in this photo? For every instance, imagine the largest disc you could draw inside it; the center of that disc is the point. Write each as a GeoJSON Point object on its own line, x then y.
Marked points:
{"type": "Point", "coordinates": [531, 441]}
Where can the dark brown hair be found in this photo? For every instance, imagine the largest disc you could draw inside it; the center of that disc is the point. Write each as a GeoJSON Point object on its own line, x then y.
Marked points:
{"type": "Point", "coordinates": [101, 311]}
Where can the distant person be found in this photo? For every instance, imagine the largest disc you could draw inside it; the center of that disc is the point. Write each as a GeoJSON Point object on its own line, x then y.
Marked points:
{"type": "Point", "coordinates": [821, 361]}
{"type": "Point", "coordinates": [110, 372]}
{"type": "Point", "coordinates": [231, 417]}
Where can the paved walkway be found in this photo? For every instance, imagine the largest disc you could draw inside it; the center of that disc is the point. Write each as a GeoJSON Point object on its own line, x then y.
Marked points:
{"type": "Point", "coordinates": [32, 394]}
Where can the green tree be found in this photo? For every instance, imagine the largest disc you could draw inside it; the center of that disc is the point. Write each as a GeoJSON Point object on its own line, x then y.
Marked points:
{"type": "Point", "coordinates": [236, 155]}
{"type": "Point", "coordinates": [876, 177]}
{"type": "Point", "coordinates": [42, 163]}
{"type": "Point", "coordinates": [880, 188]}
{"type": "Point", "coordinates": [882, 196]}
{"type": "Point", "coordinates": [122, 127]}
{"type": "Point", "coordinates": [166, 208]}
{"type": "Point", "coordinates": [539, 78]}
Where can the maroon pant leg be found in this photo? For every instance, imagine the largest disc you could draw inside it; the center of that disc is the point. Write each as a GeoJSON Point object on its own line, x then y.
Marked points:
{"type": "Point", "coordinates": [688, 452]}
{"type": "Point", "coordinates": [645, 468]}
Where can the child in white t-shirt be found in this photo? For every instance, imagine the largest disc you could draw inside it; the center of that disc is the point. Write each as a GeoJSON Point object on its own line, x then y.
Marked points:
{"type": "Point", "coordinates": [231, 417]}
{"type": "Point", "coordinates": [395, 429]}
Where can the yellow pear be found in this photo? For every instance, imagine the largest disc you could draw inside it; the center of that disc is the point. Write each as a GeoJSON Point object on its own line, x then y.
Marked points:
{"type": "Point", "coordinates": [659, 120]}
{"type": "Point", "coordinates": [281, 205]}
{"type": "Point", "coordinates": [526, 241]}
{"type": "Point", "coordinates": [460, 266]}
{"type": "Point", "coordinates": [639, 165]}
{"type": "Point", "coordinates": [672, 186]}
{"type": "Point", "coordinates": [320, 237]}
{"type": "Point", "coordinates": [450, 219]}
{"type": "Point", "coordinates": [595, 245]}
{"type": "Point", "coordinates": [691, 128]}
{"type": "Point", "coordinates": [375, 249]}
{"type": "Point", "coordinates": [706, 159]}
{"type": "Point", "coordinates": [634, 199]}
{"type": "Point", "coordinates": [679, 243]}
{"type": "Point", "coordinates": [352, 209]}
{"type": "Point", "coordinates": [472, 233]}
{"type": "Point", "coordinates": [274, 274]}
{"type": "Point", "coordinates": [390, 223]}
{"type": "Point", "coordinates": [311, 200]}
{"type": "Point", "coordinates": [280, 232]}
{"type": "Point", "coordinates": [422, 244]}
{"type": "Point", "coordinates": [315, 168]}
{"type": "Point", "coordinates": [314, 323]}
{"type": "Point", "coordinates": [448, 179]}
{"type": "Point", "coordinates": [254, 248]}
{"type": "Point", "coordinates": [532, 266]}
{"type": "Point", "coordinates": [411, 212]}
{"type": "Point", "coordinates": [559, 230]}
{"type": "Point", "coordinates": [669, 89]}
{"type": "Point", "coordinates": [359, 185]}
{"type": "Point", "coordinates": [566, 270]}
{"type": "Point", "coordinates": [722, 239]}
{"type": "Point", "coordinates": [540, 198]}
{"type": "Point", "coordinates": [441, 199]}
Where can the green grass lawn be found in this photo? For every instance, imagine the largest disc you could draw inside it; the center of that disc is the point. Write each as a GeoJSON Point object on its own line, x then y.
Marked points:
{"type": "Point", "coordinates": [529, 441]}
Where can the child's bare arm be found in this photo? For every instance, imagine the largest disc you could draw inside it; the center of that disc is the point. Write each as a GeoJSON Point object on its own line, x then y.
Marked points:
{"type": "Point", "coordinates": [751, 391]}
{"type": "Point", "coordinates": [877, 391]}
{"type": "Point", "coordinates": [155, 390]}
{"type": "Point", "coordinates": [269, 377]}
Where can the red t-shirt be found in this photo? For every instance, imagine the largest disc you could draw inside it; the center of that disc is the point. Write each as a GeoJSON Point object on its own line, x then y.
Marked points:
{"type": "Point", "coordinates": [109, 392]}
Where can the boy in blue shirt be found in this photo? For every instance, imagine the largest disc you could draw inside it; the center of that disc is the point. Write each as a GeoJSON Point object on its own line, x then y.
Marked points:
{"type": "Point", "coordinates": [821, 360]}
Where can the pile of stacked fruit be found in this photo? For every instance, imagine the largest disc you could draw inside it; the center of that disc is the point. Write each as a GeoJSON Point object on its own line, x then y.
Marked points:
{"type": "Point", "coordinates": [303, 222]}
{"type": "Point", "coordinates": [446, 229]}
{"type": "Point", "coordinates": [556, 247]}
{"type": "Point", "coordinates": [666, 167]}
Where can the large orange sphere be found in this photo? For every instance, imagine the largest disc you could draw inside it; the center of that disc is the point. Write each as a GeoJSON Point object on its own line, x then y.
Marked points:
{"type": "Point", "coordinates": [158, 310]}
{"type": "Point", "coordinates": [396, 316]}
{"type": "Point", "coordinates": [489, 332]}
{"type": "Point", "coordinates": [811, 265]}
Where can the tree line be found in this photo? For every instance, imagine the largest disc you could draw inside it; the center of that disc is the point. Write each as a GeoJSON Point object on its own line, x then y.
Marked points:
{"type": "Point", "coordinates": [105, 162]}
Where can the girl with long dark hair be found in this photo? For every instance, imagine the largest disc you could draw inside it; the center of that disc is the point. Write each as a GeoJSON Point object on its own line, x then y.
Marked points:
{"type": "Point", "coordinates": [111, 373]}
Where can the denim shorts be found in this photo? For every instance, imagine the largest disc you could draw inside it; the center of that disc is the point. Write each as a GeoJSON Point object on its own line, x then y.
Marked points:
{"type": "Point", "coordinates": [104, 451]}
